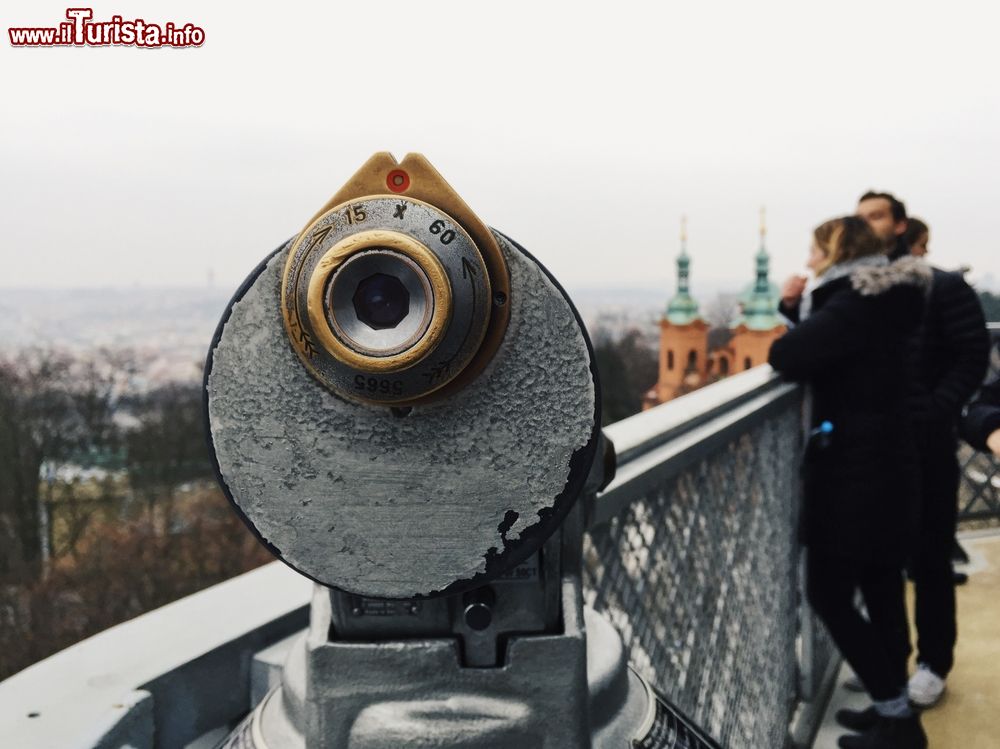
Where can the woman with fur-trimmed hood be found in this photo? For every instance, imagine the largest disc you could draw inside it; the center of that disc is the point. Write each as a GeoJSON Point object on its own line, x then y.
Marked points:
{"type": "Point", "coordinates": [849, 346]}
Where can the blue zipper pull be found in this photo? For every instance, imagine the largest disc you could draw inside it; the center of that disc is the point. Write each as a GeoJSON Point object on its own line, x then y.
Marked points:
{"type": "Point", "coordinates": [822, 435]}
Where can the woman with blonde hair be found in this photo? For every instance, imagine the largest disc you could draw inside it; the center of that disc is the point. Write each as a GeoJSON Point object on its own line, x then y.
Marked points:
{"type": "Point", "coordinates": [848, 345]}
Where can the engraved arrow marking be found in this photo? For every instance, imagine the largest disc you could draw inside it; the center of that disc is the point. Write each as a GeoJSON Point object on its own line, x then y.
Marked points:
{"type": "Point", "coordinates": [318, 236]}
{"type": "Point", "coordinates": [442, 368]}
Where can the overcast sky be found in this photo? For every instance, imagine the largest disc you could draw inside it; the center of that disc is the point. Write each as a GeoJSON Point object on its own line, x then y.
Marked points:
{"type": "Point", "coordinates": [582, 130]}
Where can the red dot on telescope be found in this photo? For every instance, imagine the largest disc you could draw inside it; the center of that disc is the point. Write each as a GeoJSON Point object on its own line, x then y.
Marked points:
{"type": "Point", "coordinates": [398, 180]}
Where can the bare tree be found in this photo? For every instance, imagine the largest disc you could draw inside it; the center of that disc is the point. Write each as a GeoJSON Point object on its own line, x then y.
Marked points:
{"type": "Point", "coordinates": [167, 448]}
{"type": "Point", "coordinates": [60, 412]}
{"type": "Point", "coordinates": [628, 368]}
{"type": "Point", "coordinates": [723, 311]}
{"type": "Point", "coordinates": [53, 409]}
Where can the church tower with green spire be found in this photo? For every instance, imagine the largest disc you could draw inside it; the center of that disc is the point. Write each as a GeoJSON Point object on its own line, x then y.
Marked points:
{"type": "Point", "coordinates": [683, 338]}
{"type": "Point", "coordinates": [760, 300]}
{"type": "Point", "coordinates": [683, 309]}
{"type": "Point", "coordinates": [759, 323]}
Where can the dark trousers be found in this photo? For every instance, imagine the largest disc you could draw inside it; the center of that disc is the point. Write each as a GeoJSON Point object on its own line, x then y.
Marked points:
{"type": "Point", "coordinates": [931, 568]}
{"type": "Point", "coordinates": [876, 648]}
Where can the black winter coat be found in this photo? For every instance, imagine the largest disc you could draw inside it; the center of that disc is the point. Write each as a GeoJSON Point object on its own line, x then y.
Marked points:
{"type": "Point", "coordinates": [952, 351]}
{"type": "Point", "coordinates": [860, 492]}
{"type": "Point", "coordinates": [983, 416]}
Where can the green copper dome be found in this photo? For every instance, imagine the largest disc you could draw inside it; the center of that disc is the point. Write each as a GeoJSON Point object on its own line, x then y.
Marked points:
{"type": "Point", "coordinates": [760, 299]}
{"type": "Point", "coordinates": [682, 309]}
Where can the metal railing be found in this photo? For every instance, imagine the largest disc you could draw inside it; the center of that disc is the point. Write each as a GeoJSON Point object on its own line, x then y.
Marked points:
{"type": "Point", "coordinates": [692, 554]}
{"type": "Point", "coordinates": [162, 679]}
{"type": "Point", "coordinates": [979, 490]}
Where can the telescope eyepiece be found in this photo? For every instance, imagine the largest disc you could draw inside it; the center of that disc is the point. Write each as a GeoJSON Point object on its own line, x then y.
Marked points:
{"type": "Point", "coordinates": [381, 301]}
{"type": "Point", "coordinates": [395, 296]}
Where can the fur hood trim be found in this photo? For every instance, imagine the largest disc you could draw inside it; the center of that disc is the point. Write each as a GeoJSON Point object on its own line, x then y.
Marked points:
{"type": "Point", "coordinates": [877, 279]}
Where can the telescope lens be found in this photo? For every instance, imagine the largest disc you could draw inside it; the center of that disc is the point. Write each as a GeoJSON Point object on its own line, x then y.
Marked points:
{"type": "Point", "coordinates": [381, 301]}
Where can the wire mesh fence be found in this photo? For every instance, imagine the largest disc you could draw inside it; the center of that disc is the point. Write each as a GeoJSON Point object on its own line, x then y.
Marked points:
{"type": "Point", "coordinates": [979, 489]}
{"type": "Point", "coordinates": [700, 576]}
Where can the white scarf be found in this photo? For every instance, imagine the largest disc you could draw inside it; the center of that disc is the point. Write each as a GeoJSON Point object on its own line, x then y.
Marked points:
{"type": "Point", "coordinates": [832, 274]}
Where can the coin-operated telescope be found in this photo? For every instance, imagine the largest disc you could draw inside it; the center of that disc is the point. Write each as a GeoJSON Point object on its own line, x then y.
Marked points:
{"type": "Point", "coordinates": [404, 407]}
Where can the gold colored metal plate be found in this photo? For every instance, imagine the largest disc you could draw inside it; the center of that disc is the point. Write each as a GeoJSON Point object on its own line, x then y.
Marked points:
{"type": "Point", "coordinates": [414, 180]}
{"type": "Point", "coordinates": [427, 184]}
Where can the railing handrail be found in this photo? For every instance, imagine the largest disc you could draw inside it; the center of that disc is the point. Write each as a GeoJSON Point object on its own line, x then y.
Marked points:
{"type": "Point", "coordinates": [647, 430]}
{"type": "Point", "coordinates": [62, 700]}
{"type": "Point", "coordinates": [666, 439]}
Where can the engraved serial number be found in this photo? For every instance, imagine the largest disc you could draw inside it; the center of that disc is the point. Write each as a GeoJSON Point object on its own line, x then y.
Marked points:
{"type": "Point", "coordinates": [378, 385]}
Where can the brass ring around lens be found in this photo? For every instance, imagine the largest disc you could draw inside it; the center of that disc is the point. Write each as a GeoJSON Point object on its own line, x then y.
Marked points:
{"type": "Point", "coordinates": [332, 260]}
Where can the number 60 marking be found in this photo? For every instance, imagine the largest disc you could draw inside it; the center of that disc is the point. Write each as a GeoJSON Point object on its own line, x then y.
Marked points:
{"type": "Point", "coordinates": [446, 234]}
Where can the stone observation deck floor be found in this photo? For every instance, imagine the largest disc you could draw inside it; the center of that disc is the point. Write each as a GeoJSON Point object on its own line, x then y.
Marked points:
{"type": "Point", "coordinates": [966, 717]}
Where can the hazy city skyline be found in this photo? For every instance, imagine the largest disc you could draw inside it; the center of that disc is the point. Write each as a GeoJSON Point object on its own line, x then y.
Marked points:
{"type": "Point", "coordinates": [583, 131]}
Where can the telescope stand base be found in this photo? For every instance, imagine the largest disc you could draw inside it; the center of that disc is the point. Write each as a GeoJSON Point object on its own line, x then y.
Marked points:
{"type": "Point", "coordinates": [568, 691]}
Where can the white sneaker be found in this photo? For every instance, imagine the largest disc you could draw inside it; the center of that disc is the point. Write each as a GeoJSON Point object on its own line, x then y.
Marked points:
{"type": "Point", "coordinates": [925, 687]}
{"type": "Point", "coordinates": [853, 684]}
